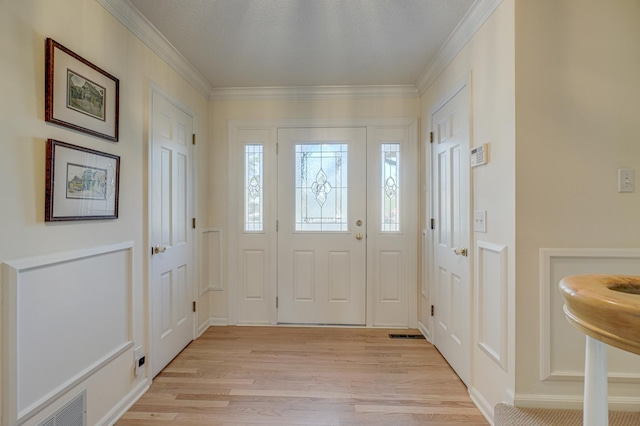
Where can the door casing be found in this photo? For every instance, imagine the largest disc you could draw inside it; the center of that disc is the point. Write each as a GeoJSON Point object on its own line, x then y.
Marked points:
{"type": "Point", "coordinates": [263, 310]}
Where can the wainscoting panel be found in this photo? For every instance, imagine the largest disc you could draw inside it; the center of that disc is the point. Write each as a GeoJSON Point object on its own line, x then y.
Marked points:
{"type": "Point", "coordinates": [72, 309]}
{"type": "Point", "coordinates": [426, 253]}
{"type": "Point", "coordinates": [561, 345]}
{"type": "Point", "coordinates": [492, 301]}
{"type": "Point", "coordinates": [211, 260]}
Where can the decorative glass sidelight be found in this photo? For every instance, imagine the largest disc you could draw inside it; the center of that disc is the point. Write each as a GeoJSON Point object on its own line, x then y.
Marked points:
{"type": "Point", "coordinates": [321, 187]}
{"type": "Point", "coordinates": [390, 172]}
{"type": "Point", "coordinates": [253, 188]}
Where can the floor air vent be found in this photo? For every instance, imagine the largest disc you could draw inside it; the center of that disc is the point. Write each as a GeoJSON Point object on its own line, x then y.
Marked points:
{"type": "Point", "coordinates": [73, 413]}
{"type": "Point", "coordinates": [406, 336]}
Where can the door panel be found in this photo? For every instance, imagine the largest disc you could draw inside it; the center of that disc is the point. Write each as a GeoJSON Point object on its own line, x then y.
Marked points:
{"type": "Point", "coordinates": [321, 251]}
{"type": "Point", "coordinates": [171, 267]}
{"type": "Point", "coordinates": [452, 240]}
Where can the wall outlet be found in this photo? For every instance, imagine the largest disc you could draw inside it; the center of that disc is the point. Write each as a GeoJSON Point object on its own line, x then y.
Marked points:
{"type": "Point", "coordinates": [139, 360]}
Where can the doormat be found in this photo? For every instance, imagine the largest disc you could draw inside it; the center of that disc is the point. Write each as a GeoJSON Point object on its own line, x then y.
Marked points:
{"type": "Point", "coordinates": [406, 336]}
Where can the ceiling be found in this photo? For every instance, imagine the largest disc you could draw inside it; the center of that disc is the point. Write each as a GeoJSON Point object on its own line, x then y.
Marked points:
{"type": "Point", "coordinates": [306, 43]}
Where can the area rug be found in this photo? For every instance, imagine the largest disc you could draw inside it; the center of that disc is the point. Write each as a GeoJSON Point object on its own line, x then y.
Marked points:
{"type": "Point", "coordinates": [507, 415]}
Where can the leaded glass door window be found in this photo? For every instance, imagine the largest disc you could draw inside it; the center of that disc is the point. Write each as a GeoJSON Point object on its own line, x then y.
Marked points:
{"type": "Point", "coordinates": [321, 173]}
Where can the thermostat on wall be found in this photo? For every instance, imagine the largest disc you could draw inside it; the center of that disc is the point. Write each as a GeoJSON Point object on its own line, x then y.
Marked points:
{"type": "Point", "coordinates": [479, 155]}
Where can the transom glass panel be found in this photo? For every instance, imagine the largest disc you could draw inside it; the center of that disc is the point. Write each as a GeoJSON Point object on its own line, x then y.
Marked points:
{"type": "Point", "coordinates": [321, 187]}
{"type": "Point", "coordinates": [390, 154]}
{"type": "Point", "coordinates": [253, 188]}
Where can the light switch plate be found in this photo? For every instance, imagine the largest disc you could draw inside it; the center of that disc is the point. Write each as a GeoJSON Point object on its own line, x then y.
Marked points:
{"type": "Point", "coordinates": [626, 180]}
{"type": "Point", "coordinates": [480, 221]}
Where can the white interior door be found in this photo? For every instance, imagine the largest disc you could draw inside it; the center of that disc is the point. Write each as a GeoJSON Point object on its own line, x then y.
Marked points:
{"type": "Point", "coordinates": [171, 271]}
{"type": "Point", "coordinates": [322, 200]}
{"type": "Point", "coordinates": [450, 168]}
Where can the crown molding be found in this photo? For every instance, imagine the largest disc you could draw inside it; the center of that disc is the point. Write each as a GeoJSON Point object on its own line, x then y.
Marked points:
{"type": "Point", "coordinates": [133, 20]}
{"type": "Point", "coordinates": [313, 92]}
{"type": "Point", "coordinates": [468, 26]}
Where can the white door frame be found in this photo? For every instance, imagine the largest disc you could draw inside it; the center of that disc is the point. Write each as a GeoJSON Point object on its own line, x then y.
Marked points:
{"type": "Point", "coordinates": [156, 89]}
{"type": "Point", "coordinates": [430, 260]}
{"type": "Point", "coordinates": [269, 127]}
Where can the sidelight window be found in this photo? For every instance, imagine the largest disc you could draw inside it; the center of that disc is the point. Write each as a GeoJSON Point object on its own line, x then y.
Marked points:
{"type": "Point", "coordinates": [253, 188]}
{"type": "Point", "coordinates": [390, 187]}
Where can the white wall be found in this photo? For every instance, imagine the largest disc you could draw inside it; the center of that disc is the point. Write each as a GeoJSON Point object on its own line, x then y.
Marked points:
{"type": "Point", "coordinates": [89, 30]}
{"type": "Point", "coordinates": [224, 110]}
{"type": "Point", "coordinates": [577, 108]}
{"type": "Point", "coordinates": [487, 61]}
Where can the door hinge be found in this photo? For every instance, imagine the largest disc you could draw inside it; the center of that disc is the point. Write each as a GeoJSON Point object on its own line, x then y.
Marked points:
{"type": "Point", "coordinates": [433, 223]}
{"type": "Point", "coordinates": [276, 302]}
{"type": "Point", "coordinates": [431, 137]}
{"type": "Point", "coordinates": [193, 139]}
{"type": "Point", "coordinates": [194, 306]}
{"type": "Point", "coordinates": [433, 310]}
{"type": "Point", "coordinates": [193, 223]}
{"type": "Point", "coordinates": [277, 148]}
{"type": "Point", "coordinates": [277, 225]}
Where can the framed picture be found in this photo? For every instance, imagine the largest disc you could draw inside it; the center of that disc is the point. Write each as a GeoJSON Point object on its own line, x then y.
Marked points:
{"type": "Point", "coordinates": [78, 94]}
{"type": "Point", "coordinates": [81, 183]}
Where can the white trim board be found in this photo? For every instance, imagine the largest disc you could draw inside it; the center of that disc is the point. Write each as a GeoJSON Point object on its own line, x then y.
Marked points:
{"type": "Point", "coordinates": [492, 292]}
{"type": "Point", "coordinates": [571, 261]}
{"type": "Point", "coordinates": [22, 281]}
{"type": "Point", "coordinates": [571, 402]}
{"type": "Point", "coordinates": [211, 265]}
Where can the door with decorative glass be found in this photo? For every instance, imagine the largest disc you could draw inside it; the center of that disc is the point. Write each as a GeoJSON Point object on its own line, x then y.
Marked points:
{"type": "Point", "coordinates": [322, 215]}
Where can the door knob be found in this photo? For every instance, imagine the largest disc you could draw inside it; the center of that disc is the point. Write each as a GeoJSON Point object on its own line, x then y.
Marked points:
{"type": "Point", "coordinates": [358, 236]}
{"type": "Point", "coordinates": [158, 249]}
{"type": "Point", "coordinates": [460, 251]}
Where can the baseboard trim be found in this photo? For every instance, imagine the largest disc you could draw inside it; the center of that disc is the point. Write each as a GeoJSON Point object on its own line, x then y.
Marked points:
{"type": "Point", "coordinates": [218, 321]}
{"type": "Point", "coordinates": [572, 402]}
{"type": "Point", "coordinates": [483, 405]}
{"type": "Point", "coordinates": [203, 327]}
{"type": "Point", "coordinates": [127, 402]}
{"type": "Point", "coordinates": [425, 332]}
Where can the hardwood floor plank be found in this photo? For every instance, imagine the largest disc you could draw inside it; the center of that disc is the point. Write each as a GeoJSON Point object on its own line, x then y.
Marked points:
{"type": "Point", "coordinates": [289, 393]}
{"type": "Point", "coordinates": [408, 409]}
{"type": "Point", "coordinates": [143, 415]}
{"type": "Point", "coordinates": [305, 376]}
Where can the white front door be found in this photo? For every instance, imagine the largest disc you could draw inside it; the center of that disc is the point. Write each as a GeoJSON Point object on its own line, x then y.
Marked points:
{"type": "Point", "coordinates": [450, 168]}
{"type": "Point", "coordinates": [171, 270]}
{"type": "Point", "coordinates": [322, 213]}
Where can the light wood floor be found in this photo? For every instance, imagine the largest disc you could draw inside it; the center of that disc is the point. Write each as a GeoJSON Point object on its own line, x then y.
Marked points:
{"type": "Point", "coordinates": [305, 376]}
